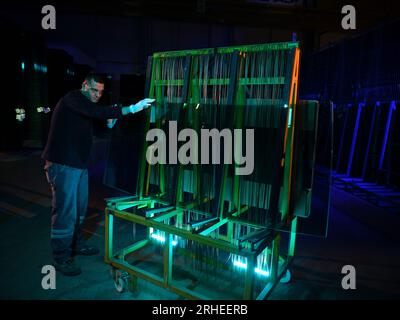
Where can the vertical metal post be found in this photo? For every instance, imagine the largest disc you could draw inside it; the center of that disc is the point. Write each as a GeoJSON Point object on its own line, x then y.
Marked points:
{"type": "Point", "coordinates": [230, 231]}
{"type": "Point", "coordinates": [168, 259]}
{"type": "Point", "coordinates": [233, 78]}
{"type": "Point", "coordinates": [385, 137]}
{"type": "Point", "coordinates": [188, 90]}
{"type": "Point", "coordinates": [340, 150]}
{"type": "Point", "coordinates": [157, 110]}
{"type": "Point", "coordinates": [109, 221]}
{"type": "Point", "coordinates": [249, 278]}
{"type": "Point", "coordinates": [286, 207]}
{"type": "Point", "coordinates": [150, 229]}
{"type": "Point", "coordinates": [230, 100]}
{"type": "Point", "coordinates": [275, 258]}
{"type": "Point", "coordinates": [148, 83]}
{"type": "Point", "coordinates": [292, 241]}
{"type": "Point", "coordinates": [354, 139]}
{"type": "Point", "coordinates": [240, 101]}
{"type": "Point", "coordinates": [371, 132]}
{"type": "Point", "coordinates": [140, 189]}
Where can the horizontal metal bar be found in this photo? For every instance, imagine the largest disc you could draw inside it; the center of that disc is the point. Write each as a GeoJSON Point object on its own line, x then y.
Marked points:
{"type": "Point", "coordinates": [167, 215]}
{"type": "Point", "coordinates": [223, 81]}
{"type": "Point", "coordinates": [260, 47]}
{"type": "Point", "coordinates": [199, 223]}
{"type": "Point", "coordinates": [260, 81]}
{"type": "Point", "coordinates": [214, 227]}
{"type": "Point", "coordinates": [256, 234]}
{"type": "Point", "coordinates": [193, 204]}
{"type": "Point", "coordinates": [151, 212]}
{"type": "Point", "coordinates": [244, 48]}
{"type": "Point", "coordinates": [136, 246]}
{"type": "Point", "coordinates": [125, 198]}
{"type": "Point", "coordinates": [228, 247]}
{"type": "Point", "coordinates": [140, 273]}
{"type": "Point", "coordinates": [123, 265]}
{"type": "Point", "coordinates": [182, 53]}
{"type": "Point", "coordinates": [123, 205]}
{"type": "Point", "coordinates": [237, 213]}
{"type": "Point", "coordinates": [246, 223]}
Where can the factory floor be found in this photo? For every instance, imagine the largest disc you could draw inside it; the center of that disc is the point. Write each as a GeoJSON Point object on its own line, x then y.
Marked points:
{"type": "Point", "coordinates": [359, 234]}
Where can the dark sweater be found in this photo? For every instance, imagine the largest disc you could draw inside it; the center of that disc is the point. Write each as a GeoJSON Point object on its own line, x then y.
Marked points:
{"type": "Point", "coordinates": [71, 130]}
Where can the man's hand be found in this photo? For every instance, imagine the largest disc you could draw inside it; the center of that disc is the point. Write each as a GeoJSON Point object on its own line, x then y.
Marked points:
{"type": "Point", "coordinates": [142, 104]}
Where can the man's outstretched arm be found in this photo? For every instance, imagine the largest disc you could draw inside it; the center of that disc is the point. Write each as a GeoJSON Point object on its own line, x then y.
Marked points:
{"type": "Point", "coordinates": [133, 108]}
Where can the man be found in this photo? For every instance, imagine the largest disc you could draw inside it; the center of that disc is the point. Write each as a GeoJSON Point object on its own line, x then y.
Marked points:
{"type": "Point", "coordinates": [67, 155]}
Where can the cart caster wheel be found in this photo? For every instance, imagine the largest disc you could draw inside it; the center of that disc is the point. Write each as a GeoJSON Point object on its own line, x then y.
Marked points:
{"type": "Point", "coordinates": [287, 277]}
{"type": "Point", "coordinates": [121, 280]}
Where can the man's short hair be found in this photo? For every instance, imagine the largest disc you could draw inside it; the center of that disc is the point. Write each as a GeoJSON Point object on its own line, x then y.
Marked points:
{"type": "Point", "coordinates": [97, 77]}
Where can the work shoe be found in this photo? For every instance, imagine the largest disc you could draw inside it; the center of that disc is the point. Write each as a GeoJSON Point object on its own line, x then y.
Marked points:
{"type": "Point", "coordinates": [67, 268]}
{"type": "Point", "coordinates": [86, 250]}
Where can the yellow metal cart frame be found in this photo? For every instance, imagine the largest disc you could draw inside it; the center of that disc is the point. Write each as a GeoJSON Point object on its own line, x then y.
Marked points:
{"type": "Point", "coordinates": [153, 212]}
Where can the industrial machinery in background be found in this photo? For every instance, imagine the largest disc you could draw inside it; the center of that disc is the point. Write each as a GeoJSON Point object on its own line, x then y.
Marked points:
{"type": "Point", "coordinates": [25, 88]}
{"type": "Point", "coordinates": [199, 229]}
{"type": "Point", "coordinates": [35, 78]}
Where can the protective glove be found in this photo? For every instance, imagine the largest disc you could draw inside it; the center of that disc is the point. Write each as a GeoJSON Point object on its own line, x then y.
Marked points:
{"type": "Point", "coordinates": [142, 104]}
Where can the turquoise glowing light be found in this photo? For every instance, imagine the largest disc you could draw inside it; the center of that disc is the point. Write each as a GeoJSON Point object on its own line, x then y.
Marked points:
{"type": "Point", "coordinates": [240, 264]}
{"type": "Point", "coordinates": [259, 271]}
{"type": "Point", "coordinates": [290, 118]}
{"type": "Point", "coordinates": [262, 272]}
{"type": "Point", "coordinates": [161, 239]}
